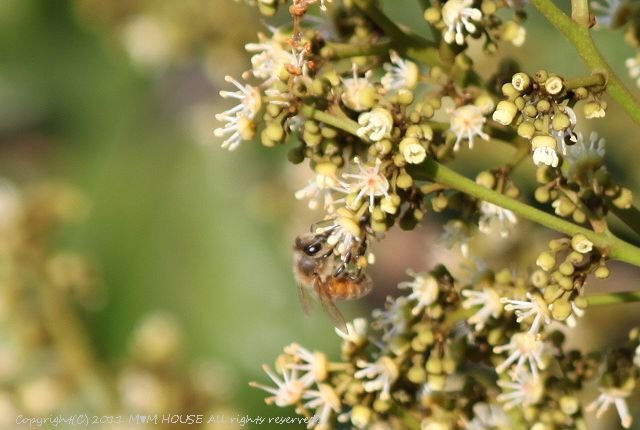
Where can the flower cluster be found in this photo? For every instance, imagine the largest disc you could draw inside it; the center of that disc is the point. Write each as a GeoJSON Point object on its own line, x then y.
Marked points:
{"type": "Point", "coordinates": [377, 111]}
{"type": "Point", "coordinates": [456, 356]}
{"type": "Point", "coordinates": [539, 107]}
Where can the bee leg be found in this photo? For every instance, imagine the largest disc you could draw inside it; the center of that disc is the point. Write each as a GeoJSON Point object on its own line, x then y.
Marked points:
{"type": "Point", "coordinates": [339, 271]}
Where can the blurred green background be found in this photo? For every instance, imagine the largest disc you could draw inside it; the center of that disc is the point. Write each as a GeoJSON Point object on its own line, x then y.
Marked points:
{"type": "Point", "coordinates": [89, 96]}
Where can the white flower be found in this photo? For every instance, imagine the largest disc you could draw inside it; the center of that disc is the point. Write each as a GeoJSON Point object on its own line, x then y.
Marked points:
{"type": "Point", "coordinates": [424, 288]}
{"type": "Point", "coordinates": [488, 299]}
{"type": "Point", "coordinates": [321, 188]}
{"type": "Point", "coordinates": [239, 119]}
{"type": "Point", "coordinates": [393, 319]}
{"type": "Point", "coordinates": [356, 331]}
{"type": "Point", "coordinates": [523, 347]}
{"type": "Point", "coordinates": [401, 74]}
{"type": "Point", "coordinates": [368, 182]}
{"type": "Point", "coordinates": [323, 400]}
{"type": "Point", "coordinates": [534, 306]}
{"type": "Point", "coordinates": [544, 150]}
{"type": "Point", "coordinates": [315, 365]}
{"type": "Point", "coordinates": [526, 389]}
{"type": "Point", "coordinates": [488, 417]}
{"type": "Point", "coordinates": [381, 375]}
{"type": "Point", "coordinates": [269, 58]}
{"type": "Point", "coordinates": [466, 123]}
{"type": "Point", "coordinates": [636, 359]}
{"type": "Point", "coordinates": [633, 64]}
{"type": "Point", "coordinates": [344, 232]}
{"type": "Point", "coordinates": [456, 232]}
{"type": "Point", "coordinates": [616, 396]}
{"type": "Point", "coordinates": [605, 10]}
{"type": "Point", "coordinates": [491, 214]}
{"type": "Point", "coordinates": [288, 391]}
{"type": "Point", "coordinates": [375, 125]}
{"type": "Point", "coordinates": [457, 16]}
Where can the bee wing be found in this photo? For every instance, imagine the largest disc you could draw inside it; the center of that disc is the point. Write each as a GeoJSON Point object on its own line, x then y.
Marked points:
{"type": "Point", "coordinates": [330, 308]}
{"type": "Point", "coordinates": [305, 301]}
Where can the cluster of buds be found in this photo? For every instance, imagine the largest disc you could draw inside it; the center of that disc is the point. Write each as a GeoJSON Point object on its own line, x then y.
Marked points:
{"type": "Point", "coordinates": [583, 189]}
{"type": "Point", "coordinates": [540, 108]}
{"type": "Point", "coordinates": [448, 355]}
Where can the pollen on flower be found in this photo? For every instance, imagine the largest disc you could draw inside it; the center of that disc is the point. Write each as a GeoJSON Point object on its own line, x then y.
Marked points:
{"type": "Point", "coordinates": [368, 183]}
{"type": "Point", "coordinates": [522, 348]}
{"type": "Point", "coordinates": [466, 123]}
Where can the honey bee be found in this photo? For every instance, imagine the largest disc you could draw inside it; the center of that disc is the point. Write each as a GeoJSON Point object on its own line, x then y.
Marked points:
{"type": "Point", "coordinates": [319, 272]}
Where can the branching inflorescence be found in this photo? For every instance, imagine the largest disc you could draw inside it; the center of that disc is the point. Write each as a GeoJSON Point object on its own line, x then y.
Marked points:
{"type": "Point", "coordinates": [378, 111]}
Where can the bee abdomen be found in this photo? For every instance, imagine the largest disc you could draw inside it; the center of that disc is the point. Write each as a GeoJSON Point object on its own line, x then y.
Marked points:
{"type": "Point", "coordinates": [346, 289]}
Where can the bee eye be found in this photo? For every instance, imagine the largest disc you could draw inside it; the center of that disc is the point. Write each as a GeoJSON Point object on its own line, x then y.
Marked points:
{"type": "Point", "coordinates": [312, 248]}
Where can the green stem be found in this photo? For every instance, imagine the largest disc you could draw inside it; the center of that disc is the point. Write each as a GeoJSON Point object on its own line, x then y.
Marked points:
{"type": "Point", "coordinates": [612, 246]}
{"type": "Point", "coordinates": [333, 50]}
{"type": "Point", "coordinates": [614, 298]}
{"type": "Point", "coordinates": [342, 123]}
{"type": "Point", "coordinates": [595, 80]}
{"type": "Point", "coordinates": [580, 38]}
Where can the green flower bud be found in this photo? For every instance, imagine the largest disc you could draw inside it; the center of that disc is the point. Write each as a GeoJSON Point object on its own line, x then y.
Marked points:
{"type": "Point", "coordinates": [417, 375]}
{"type": "Point", "coordinates": [546, 261]}
{"type": "Point", "coordinates": [560, 122]}
{"type": "Point", "coordinates": [360, 416]}
{"type": "Point", "coordinates": [432, 15]}
{"type": "Point", "coordinates": [404, 181]}
{"type": "Point", "coordinates": [526, 129]}
{"type": "Point", "coordinates": [520, 103]}
{"type": "Point", "coordinates": [542, 194]}
{"type": "Point", "coordinates": [561, 310]}
{"type": "Point", "coordinates": [509, 90]}
{"type": "Point", "coordinates": [602, 272]}
{"type": "Point", "coordinates": [566, 268]}
{"type": "Point", "coordinates": [543, 106]}
{"type": "Point", "coordinates": [539, 279]}
{"type": "Point", "coordinates": [486, 179]}
{"type": "Point", "coordinates": [505, 112]}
